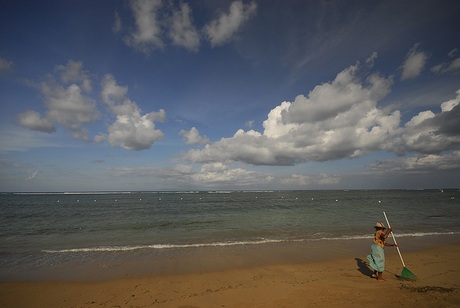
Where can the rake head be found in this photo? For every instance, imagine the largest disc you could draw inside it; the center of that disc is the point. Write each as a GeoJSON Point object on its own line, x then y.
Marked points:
{"type": "Point", "coordinates": [406, 274]}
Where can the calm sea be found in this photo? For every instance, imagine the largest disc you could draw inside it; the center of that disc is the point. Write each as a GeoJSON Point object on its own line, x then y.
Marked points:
{"type": "Point", "coordinates": [44, 230]}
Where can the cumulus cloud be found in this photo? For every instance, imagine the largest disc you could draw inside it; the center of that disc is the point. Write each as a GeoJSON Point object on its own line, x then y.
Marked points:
{"type": "Point", "coordinates": [34, 121]}
{"type": "Point", "coordinates": [336, 120]}
{"type": "Point", "coordinates": [66, 100]}
{"type": "Point", "coordinates": [222, 29]}
{"type": "Point", "coordinates": [428, 132]}
{"type": "Point", "coordinates": [329, 100]}
{"type": "Point", "coordinates": [131, 130]}
{"type": "Point", "coordinates": [183, 32]}
{"type": "Point", "coordinates": [193, 136]}
{"type": "Point", "coordinates": [73, 72]}
{"type": "Point", "coordinates": [147, 36]}
{"type": "Point", "coordinates": [5, 65]}
{"type": "Point", "coordinates": [414, 63]}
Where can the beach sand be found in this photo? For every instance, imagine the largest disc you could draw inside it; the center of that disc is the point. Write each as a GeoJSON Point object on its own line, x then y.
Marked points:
{"type": "Point", "coordinates": [335, 281]}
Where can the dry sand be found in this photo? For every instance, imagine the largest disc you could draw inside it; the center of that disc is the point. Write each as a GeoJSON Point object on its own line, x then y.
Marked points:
{"type": "Point", "coordinates": [341, 283]}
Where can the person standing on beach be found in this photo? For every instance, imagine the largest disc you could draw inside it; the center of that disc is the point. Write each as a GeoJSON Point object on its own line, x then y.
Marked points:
{"type": "Point", "coordinates": [377, 256]}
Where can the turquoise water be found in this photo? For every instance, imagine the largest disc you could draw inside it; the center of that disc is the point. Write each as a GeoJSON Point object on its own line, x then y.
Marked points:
{"type": "Point", "coordinates": [42, 230]}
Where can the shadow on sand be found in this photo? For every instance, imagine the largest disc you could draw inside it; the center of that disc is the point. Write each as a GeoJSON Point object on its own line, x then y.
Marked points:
{"type": "Point", "coordinates": [363, 268]}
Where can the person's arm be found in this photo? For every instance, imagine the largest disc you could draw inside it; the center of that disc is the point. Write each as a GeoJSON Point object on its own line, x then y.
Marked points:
{"type": "Point", "coordinates": [390, 245]}
{"type": "Point", "coordinates": [386, 235]}
{"type": "Point", "coordinates": [388, 232]}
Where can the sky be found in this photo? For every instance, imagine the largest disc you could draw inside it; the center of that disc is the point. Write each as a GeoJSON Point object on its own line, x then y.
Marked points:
{"type": "Point", "coordinates": [147, 95]}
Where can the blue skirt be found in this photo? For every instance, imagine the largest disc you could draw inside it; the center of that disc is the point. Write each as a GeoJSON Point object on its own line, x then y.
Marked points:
{"type": "Point", "coordinates": [377, 258]}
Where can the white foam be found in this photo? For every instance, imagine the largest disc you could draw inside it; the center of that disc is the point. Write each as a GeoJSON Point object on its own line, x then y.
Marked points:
{"type": "Point", "coordinates": [232, 243]}
{"type": "Point", "coordinates": [161, 246]}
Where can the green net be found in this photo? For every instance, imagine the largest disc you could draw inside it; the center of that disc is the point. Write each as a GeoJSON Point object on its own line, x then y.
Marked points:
{"type": "Point", "coordinates": [406, 274]}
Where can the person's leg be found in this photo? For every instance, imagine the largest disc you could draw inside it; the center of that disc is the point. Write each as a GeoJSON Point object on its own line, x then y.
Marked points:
{"type": "Point", "coordinates": [380, 277]}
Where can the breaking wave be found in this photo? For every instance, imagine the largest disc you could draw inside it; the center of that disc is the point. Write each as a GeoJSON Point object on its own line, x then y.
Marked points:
{"type": "Point", "coordinates": [230, 243]}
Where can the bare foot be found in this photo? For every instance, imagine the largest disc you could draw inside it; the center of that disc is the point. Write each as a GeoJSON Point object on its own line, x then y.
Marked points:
{"type": "Point", "coordinates": [374, 276]}
{"type": "Point", "coordinates": [381, 279]}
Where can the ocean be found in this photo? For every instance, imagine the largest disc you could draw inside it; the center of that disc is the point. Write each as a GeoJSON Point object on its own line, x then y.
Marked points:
{"type": "Point", "coordinates": [50, 232]}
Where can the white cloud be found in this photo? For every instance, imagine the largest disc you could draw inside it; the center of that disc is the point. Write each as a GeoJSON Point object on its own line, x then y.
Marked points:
{"type": "Point", "coordinates": [219, 173]}
{"type": "Point", "coordinates": [452, 66]}
{"type": "Point", "coordinates": [69, 107]}
{"type": "Point", "coordinates": [73, 72]}
{"type": "Point", "coordinates": [193, 136]}
{"type": "Point", "coordinates": [147, 36]}
{"type": "Point", "coordinates": [222, 29]}
{"type": "Point", "coordinates": [209, 175]}
{"type": "Point", "coordinates": [328, 100]}
{"type": "Point", "coordinates": [34, 121]}
{"type": "Point", "coordinates": [131, 130]}
{"type": "Point", "coordinates": [183, 32]}
{"type": "Point", "coordinates": [337, 120]}
{"type": "Point", "coordinates": [451, 104]}
{"type": "Point", "coordinates": [428, 132]}
{"type": "Point", "coordinates": [153, 20]}
{"type": "Point", "coordinates": [5, 65]}
{"type": "Point", "coordinates": [66, 102]}
{"type": "Point", "coordinates": [413, 64]}
{"type": "Point", "coordinates": [101, 137]}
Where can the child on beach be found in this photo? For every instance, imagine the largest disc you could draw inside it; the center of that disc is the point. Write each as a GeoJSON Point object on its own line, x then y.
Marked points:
{"type": "Point", "coordinates": [377, 256]}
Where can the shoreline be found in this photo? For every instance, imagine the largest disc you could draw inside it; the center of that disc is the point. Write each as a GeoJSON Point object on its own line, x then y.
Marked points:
{"type": "Point", "coordinates": [103, 266]}
{"type": "Point", "coordinates": [340, 278]}
{"type": "Point", "coordinates": [342, 282]}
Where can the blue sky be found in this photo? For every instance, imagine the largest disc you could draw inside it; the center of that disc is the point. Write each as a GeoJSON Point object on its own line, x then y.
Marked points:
{"type": "Point", "coordinates": [217, 95]}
